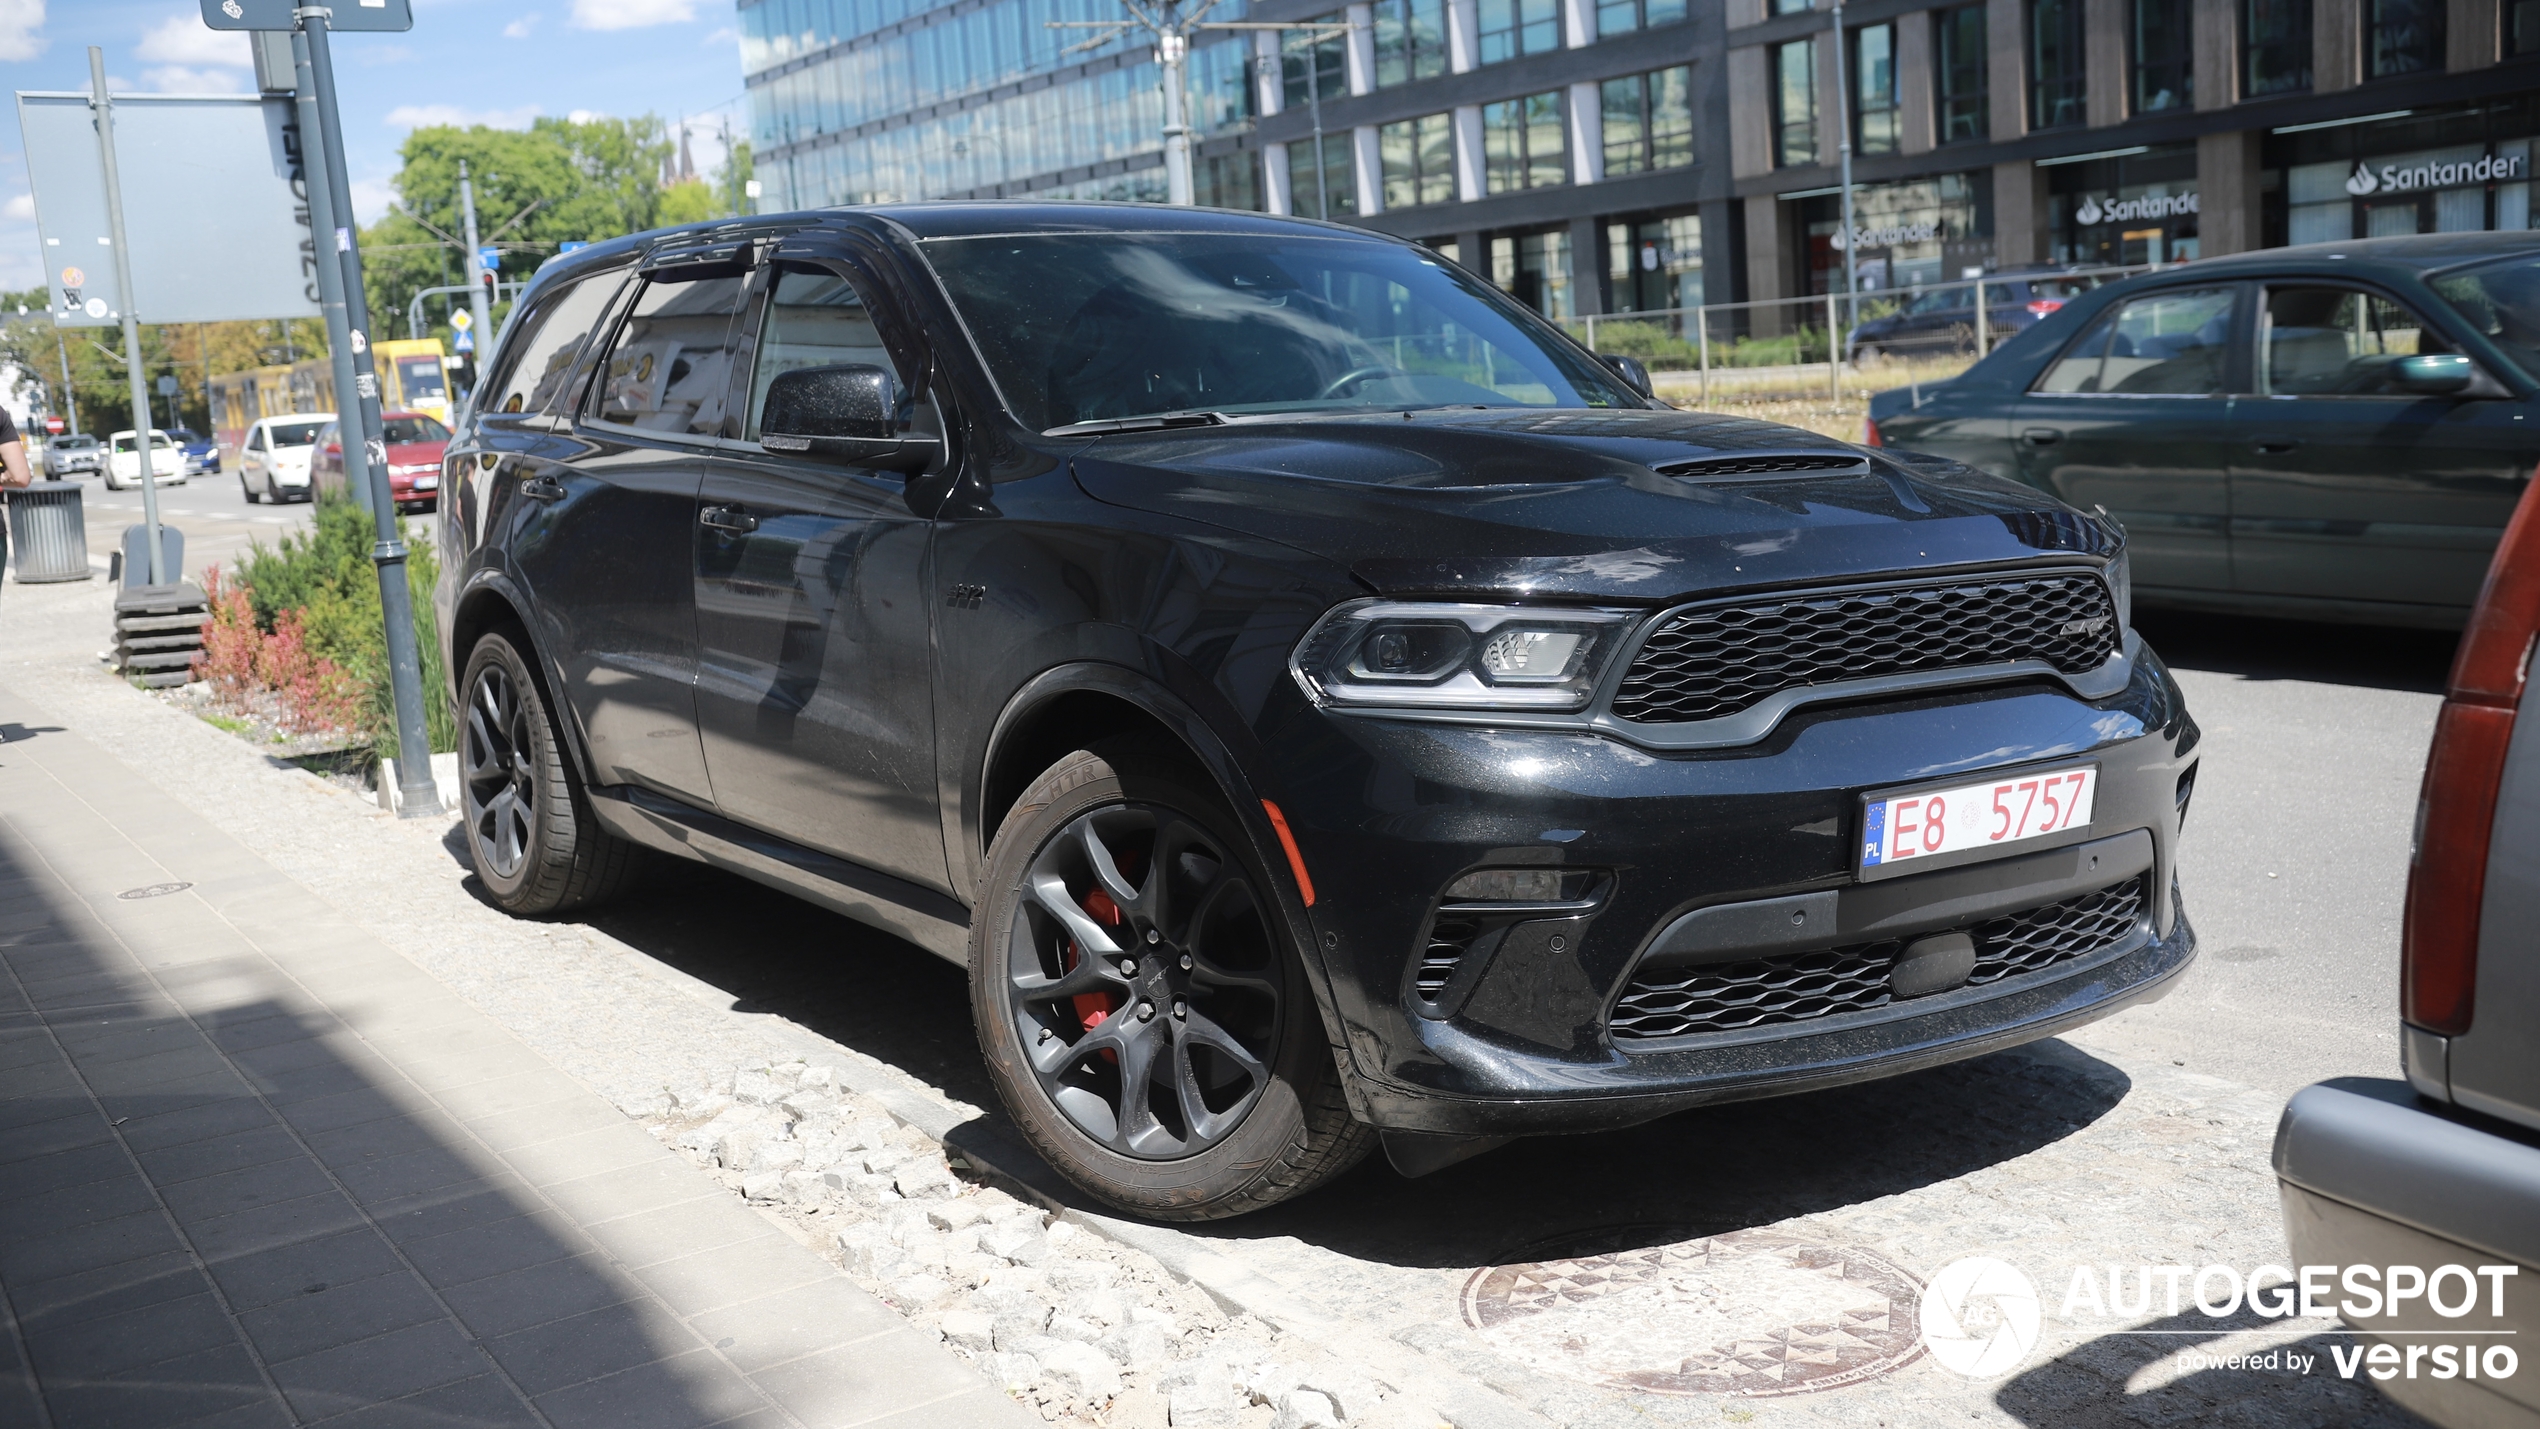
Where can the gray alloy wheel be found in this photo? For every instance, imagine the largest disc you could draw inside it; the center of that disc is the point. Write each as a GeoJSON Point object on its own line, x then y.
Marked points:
{"type": "Point", "coordinates": [1138, 923]}
{"type": "Point", "coordinates": [531, 835]}
{"type": "Point", "coordinates": [494, 762]}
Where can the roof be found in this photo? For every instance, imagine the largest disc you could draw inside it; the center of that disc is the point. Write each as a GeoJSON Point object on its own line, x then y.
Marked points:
{"type": "Point", "coordinates": [2425, 252]}
{"type": "Point", "coordinates": [972, 219]}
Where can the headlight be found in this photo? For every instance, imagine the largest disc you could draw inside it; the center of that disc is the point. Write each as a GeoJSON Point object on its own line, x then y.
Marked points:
{"type": "Point", "coordinates": [2121, 585]}
{"type": "Point", "coordinates": [1414, 655]}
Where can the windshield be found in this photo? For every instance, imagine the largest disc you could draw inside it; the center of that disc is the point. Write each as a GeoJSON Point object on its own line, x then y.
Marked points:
{"type": "Point", "coordinates": [295, 434]}
{"type": "Point", "coordinates": [158, 441]}
{"type": "Point", "coordinates": [2501, 300]}
{"type": "Point", "coordinates": [420, 379]}
{"type": "Point", "coordinates": [1096, 327]}
{"type": "Point", "coordinates": [400, 430]}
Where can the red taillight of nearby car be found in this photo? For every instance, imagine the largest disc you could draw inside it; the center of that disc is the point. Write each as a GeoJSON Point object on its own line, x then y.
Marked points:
{"type": "Point", "coordinates": [1870, 433]}
{"type": "Point", "coordinates": [2456, 809]}
{"type": "Point", "coordinates": [2040, 307]}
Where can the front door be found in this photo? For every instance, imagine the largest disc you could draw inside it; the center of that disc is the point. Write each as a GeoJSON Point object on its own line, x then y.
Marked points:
{"type": "Point", "coordinates": [2344, 487]}
{"type": "Point", "coordinates": [815, 683]}
{"type": "Point", "coordinates": [2135, 416]}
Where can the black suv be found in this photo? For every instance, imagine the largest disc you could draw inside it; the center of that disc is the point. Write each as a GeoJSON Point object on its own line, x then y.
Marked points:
{"type": "Point", "coordinates": [1319, 703]}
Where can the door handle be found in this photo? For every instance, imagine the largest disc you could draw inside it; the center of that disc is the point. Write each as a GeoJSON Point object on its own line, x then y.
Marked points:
{"type": "Point", "coordinates": [728, 518]}
{"type": "Point", "coordinates": [2273, 445]}
{"type": "Point", "coordinates": [2041, 436]}
{"type": "Point", "coordinates": [542, 488]}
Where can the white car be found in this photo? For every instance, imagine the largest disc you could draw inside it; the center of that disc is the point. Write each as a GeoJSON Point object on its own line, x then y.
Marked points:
{"type": "Point", "coordinates": [273, 460]}
{"type": "Point", "coordinates": [123, 461]}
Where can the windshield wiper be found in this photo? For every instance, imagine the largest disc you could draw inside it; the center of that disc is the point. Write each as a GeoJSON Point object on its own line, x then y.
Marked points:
{"type": "Point", "coordinates": [1138, 424]}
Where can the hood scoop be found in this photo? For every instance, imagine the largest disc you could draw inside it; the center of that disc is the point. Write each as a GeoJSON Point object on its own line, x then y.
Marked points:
{"type": "Point", "coordinates": [1767, 466]}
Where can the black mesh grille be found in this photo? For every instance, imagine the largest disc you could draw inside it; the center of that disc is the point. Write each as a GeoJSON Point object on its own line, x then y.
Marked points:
{"type": "Point", "coordinates": [1449, 938]}
{"type": "Point", "coordinates": [1763, 465]}
{"type": "Point", "coordinates": [1720, 659]}
{"type": "Point", "coordinates": [1723, 997]}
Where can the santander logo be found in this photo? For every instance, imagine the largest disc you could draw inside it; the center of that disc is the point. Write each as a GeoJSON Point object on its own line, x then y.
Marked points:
{"type": "Point", "coordinates": [2362, 181]}
{"type": "Point", "coordinates": [2088, 212]}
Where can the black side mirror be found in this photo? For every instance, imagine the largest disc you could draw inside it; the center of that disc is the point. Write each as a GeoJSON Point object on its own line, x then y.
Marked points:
{"type": "Point", "coordinates": [850, 410]}
{"type": "Point", "coordinates": [2434, 374]}
{"type": "Point", "coordinates": [1634, 375]}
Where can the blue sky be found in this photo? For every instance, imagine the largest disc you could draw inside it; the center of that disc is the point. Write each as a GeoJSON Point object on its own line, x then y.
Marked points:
{"type": "Point", "coordinates": [500, 62]}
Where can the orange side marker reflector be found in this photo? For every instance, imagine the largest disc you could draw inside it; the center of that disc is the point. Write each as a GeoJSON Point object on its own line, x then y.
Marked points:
{"type": "Point", "coordinates": [1296, 861]}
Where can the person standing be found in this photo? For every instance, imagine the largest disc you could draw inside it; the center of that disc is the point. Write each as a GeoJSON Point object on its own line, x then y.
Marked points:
{"type": "Point", "coordinates": [13, 472]}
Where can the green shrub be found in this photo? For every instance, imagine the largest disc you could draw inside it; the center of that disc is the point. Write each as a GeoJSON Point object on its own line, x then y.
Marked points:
{"type": "Point", "coordinates": [326, 575]}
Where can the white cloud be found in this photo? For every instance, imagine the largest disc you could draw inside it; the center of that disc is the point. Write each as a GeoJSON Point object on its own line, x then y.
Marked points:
{"type": "Point", "coordinates": [724, 36]}
{"type": "Point", "coordinates": [19, 21]}
{"type": "Point", "coordinates": [519, 29]}
{"type": "Point", "coordinates": [371, 199]}
{"type": "Point", "coordinates": [185, 40]}
{"type": "Point", "coordinates": [631, 14]}
{"type": "Point", "coordinates": [418, 116]}
{"type": "Point", "coordinates": [180, 79]}
{"type": "Point", "coordinates": [20, 209]}
{"type": "Point", "coordinates": [585, 116]}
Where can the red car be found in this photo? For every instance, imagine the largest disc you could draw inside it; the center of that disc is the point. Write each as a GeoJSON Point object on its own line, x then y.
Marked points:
{"type": "Point", "coordinates": [415, 444]}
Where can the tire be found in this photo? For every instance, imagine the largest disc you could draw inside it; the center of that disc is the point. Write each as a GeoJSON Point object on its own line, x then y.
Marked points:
{"type": "Point", "coordinates": [531, 836]}
{"type": "Point", "coordinates": [1254, 1112]}
{"type": "Point", "coordinates": [248, 491]}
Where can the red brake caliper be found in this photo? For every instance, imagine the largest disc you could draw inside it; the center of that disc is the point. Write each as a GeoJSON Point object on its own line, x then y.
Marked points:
{"type": "Point", "coordinates": [1093, 1007]}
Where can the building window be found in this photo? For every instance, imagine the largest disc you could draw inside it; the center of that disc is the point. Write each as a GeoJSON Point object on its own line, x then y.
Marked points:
{"type": "Point", "coordinates": [2164, 56]}
{"type": "Point", "coordinates": [2055, 64]}
{"type": "Point", "coordinates": [1410, 40]}
{"type": "Point", "coordinates": [1521, 143]}
{"type": "Point", "coordinates": [2402, 37]}
{"type": "Point", "coordinates": [1649, 121]}
{"type": "Point", "coordinates": [1654, 266]}
{"type": "Point", "coordinates": [1336, 193]}
{"type": "Point", "coordinates": [2275, 36]}
{"type": "Point", "coordinates": [1314, 64]}
{"type": "Point", "coordinates": [1792, 7]}
{"type": "Point", "coordinates": [1795, 104]}
{"type": "Point", "coordinates": [1963, 113]}
{"type": "Point", "coordinates": [1419, 159]}
{"type": "Point", "coordinates": [1875, 129]}
{"type": "Point", "coordinates": [1519, 27]}
{"type": "Point", "coordinates": [1535, 269]}
{"type": "Point", "coordinates": [2522, 27]}
{"type": "Point", "coordinates": [1617, 17]}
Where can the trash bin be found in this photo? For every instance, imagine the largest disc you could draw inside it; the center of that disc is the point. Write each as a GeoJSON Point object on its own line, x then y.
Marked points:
{"type": "Point", "coordinates": [48, 532]}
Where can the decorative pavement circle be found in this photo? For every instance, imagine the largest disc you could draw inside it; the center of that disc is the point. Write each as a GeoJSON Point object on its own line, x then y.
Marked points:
{"type": "Point", "coordinates": [1750, 1313]}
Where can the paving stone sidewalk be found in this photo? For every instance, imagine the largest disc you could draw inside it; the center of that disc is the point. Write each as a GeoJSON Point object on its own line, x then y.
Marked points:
{"type": "Point", "coordinates": [258, 1168]}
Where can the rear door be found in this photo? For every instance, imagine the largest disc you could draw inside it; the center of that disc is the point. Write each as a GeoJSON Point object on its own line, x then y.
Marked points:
{"type": "Point", "coordinates": [2344, 487]}
{"type": "Point", "coordinates": [2136, 416]}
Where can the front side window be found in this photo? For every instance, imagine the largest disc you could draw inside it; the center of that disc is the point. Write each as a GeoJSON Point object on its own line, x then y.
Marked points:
{"type": "Point", "coordinates": [1095, 327]}
{"type": "Point", "coordinates": [1510, 28]}
{"type": "Point", "coordinates": [2164, 56]}
{"type": "Point", "coordinates": [1795, 104]}
{"type": "Point", "coordinates": [1419, 160]}
{"type": "Point", "coordinates": [1964, 115]}
{"type": "Point", "coordinates": [1522, 143]}
{"type": "Point", "coordinates": [542, 356]}
{"type": "Point", "coordinates": [2337, 342]}
{"type": "Point", "coordinates": [2501, 300]}
{"type": "Point", "coordinates": [1875, 129]}
{"type": "Point", "coordinates": [2275, 45]}
{"type": "Point", "coordinates": [1649, 121]}
{"type": "Point", "coordinates": [670, 369]}
{"type": "Point", "coordinates": [1621, 17]}
{"type": "Point", "coordinates": [2055, 64]}
{"type": "Point", "coordinates": [2402, 37]}
{"type": "Point", "coordinates": [1328, 189]}
{"type": "Point", "coordinates": [1410, 40]}
{"type": "Point", "coordinates": [815, 318]}
{"type": "Point", "coordinates": [2165, 344]}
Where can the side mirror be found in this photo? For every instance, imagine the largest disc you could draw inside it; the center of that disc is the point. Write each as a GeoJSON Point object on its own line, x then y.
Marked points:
{"type": "Point", "coordinates": [849, 411]}
{"type": "Point", "coordinates": [1634, 375]}
{"type": "Point", "coordinates": [2434, 374]}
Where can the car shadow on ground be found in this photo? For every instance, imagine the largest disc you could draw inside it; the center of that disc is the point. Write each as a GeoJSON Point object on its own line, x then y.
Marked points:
{"type": "Point", "coordinates": [2368, 657]}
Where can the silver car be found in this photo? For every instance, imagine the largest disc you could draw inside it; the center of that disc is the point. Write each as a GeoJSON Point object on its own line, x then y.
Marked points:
{"type": "Point", "coordinates": [71, 456]}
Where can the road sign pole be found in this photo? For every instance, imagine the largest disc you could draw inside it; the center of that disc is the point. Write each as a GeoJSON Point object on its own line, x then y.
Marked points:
{"type": "Point", "coordinates": [330, 274]}
{"type": "Point", "coordinates": [478, 308]}
{"type": "Point", "coordinates": [417, 795]}
{"type": "Point", "coordinates": [104, 107]}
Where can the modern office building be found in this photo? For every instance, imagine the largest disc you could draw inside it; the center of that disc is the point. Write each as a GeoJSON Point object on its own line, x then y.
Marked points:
{"type": "Point", "coordinates": [1629, 155]}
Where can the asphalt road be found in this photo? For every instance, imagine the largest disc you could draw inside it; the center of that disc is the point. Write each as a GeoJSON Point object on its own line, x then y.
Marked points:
{"type": "Point", "coordinates": [211, 511]}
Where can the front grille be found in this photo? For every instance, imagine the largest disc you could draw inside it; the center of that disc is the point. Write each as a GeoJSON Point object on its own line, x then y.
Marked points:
{"type": "Point", "coordinates": [1764, 465]}
{"type": "Point", "coordinates": [1716, 660]}
{"type": "Point", "coordinates": [1725, 997]}
{"type": "Point", "coordinates": [1450, 938]}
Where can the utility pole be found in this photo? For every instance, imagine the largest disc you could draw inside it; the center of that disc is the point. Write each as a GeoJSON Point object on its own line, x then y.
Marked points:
{"type": "Point", "coordinates": [330, 274]}
{"type": "Point", "coordinates": [103, 106]}
{"type": "Point", "coordinates": [417, 795]}
{"type": "Point", "coordinates": [1843, 131]}
{"type": "Point", "coordinates": [70, 398]}
{"type": "Point", "coordinates": [477, 305]}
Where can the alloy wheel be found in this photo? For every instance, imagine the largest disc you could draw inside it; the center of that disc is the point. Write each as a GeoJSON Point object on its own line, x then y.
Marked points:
{"type": "Point", "coordinates": [496, 764]}
{"type": "Point", "coordinates": [1143, 981]}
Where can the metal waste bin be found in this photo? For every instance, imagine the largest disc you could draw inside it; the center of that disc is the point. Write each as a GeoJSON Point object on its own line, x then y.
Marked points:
{"type": "Point", "coordinates": [48, 532]}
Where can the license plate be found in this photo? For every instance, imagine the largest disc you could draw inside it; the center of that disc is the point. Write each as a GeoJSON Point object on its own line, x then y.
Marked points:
{"type": "Point", "coordinates": [1969, 822]}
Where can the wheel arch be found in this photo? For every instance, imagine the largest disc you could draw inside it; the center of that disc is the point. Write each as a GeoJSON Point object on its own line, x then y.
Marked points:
{"type": "Point", "coordinates": [491, 602]}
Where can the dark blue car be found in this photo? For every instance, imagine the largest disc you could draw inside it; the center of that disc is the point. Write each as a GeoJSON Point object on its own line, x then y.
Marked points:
{"type": "Point", "coordinates": [202, 454]}
{"type": "Point", "coordinates": [1942, 320]}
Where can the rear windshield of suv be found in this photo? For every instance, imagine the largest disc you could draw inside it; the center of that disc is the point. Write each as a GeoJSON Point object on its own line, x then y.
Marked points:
{"type": "Point", "coordinates": [1098, 327]}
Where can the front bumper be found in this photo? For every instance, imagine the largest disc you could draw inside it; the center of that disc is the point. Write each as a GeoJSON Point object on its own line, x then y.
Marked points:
{"type": "Point", "coordinates": [1389, 812]}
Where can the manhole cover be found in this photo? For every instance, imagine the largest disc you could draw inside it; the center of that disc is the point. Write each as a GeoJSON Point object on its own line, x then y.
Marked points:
{"type": "Point", "coordinates": [153, 890]}
{"type": "Point", "coordinates": [1750, 1313]}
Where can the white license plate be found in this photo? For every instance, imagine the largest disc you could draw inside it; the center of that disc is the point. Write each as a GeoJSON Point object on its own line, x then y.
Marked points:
{"type": "Point", "coordinates": [1900, 832]}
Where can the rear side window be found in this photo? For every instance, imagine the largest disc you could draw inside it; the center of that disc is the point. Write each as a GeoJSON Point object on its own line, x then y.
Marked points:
{"type": "Point", "coordinates": [671, 367]}
{"type": "Point", "coordinates": [2171, 344]}
{"type": "Point", "coordinates": [543, 355]}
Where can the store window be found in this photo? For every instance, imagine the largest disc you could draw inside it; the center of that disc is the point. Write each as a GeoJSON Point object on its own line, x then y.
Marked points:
{"type": "Point", "coordinates": [2133, 208]}
{"type": "Point", "coordinates": [1964, 114]}
{"type": "Point", "coordinates": [2275, 47]}
{"type": "Point", "coordinates": [1314, 64]}
{"type": "Point", "coordinates": [1410, 40]}
{"type": "Point", "coordinates": [2164, 55]}
{"type": "Point", "coordinates": [1521, 144]}
{"type": "Point", "coordinates": [1619, 17]}
{"type": "Point", "coordinates": [1907, 233]}
{"type": "Point", "coordinates": [1795, 104]}
{"type": "Point", "coordinates": [1654, 265]}
{"type": "Point", "coordinates": [1419, 160]}
{"type": "Point", "coordinates": [1535, 269]}
{"type": "Point", "coordinates": [1325, 190]}
{"type": "Point", "coordinates": [1875, 126]}
{"type": "Point", "coordinates": [1510, 28]}
{"type": "Point", "coordinates": [2402, 37]}
{"type": "Point", "coordinates": [1649, 121]}
{"type": "Point", "coordinates": [2056, 85]}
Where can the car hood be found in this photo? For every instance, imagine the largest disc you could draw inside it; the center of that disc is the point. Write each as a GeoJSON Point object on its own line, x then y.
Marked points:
{"type": "Point", "coordinates": [1580, 504]}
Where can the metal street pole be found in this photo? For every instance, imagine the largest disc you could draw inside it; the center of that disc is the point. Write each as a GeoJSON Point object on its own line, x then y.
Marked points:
{"type": "Point", "coordinates": [104, 108]}
{"type": "Point", "coordinates": [1172, 51]}
{"type": "Point", "coordinates": [330, 274]}
{"type": "Point", "coordinates": [417, 795]}
{"type": "Point", "coordinates": [1314, 102]}
{"type": "Point", "coordinates": [477, 306]}
{"type": "Point", "coordinates": [70, 398]}
{"type": "Point", "coordinates": [1843, 131]}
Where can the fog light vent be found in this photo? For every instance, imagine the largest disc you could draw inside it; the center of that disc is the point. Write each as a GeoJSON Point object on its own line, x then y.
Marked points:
{"type": "Point", "coordinates": [1449, 940]}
